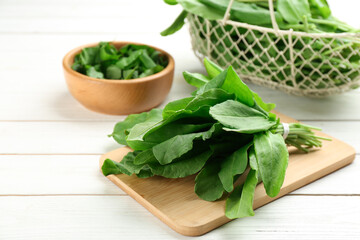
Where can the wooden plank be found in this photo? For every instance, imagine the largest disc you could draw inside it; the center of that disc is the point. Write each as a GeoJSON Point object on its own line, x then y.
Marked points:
{"type": "Point", "coordinates": [70, 174]}
{"type": "Point", "coordinates": [152, 23]}
{"type": "Point", "coordinates": [344, 130]}
{"type": "Point", "coordinates": [83, 25]}
{"type": "Point", "coordinates": [84, 217]}
{"type": "Point", "coordinates": [47, 98]}
{"type": "Point", "coordinates": [56, 137]}
{"type": "Point", "coordinates": [96, 9]}
{"type": "Point", "coordinates": [83, 17]}
{"type": "Point", "coordinates": [90, 137]}
{"type": "Point", "coordinates": [344, 181]}
{"type": "Point", "coordinates": [339, 107]}
{"type": "Point", "coordinates": [57, 104]}
{"type": "Point", "coordinates": [56, 3]}
{"type": "Point", "coordinates": [174, 202]}
{"type": "Point", "coordinates": [90, 16]}
{"type": "Point", "coordinates": [16, 61]}
{"type": "Point", "coordinates": [74, 174]}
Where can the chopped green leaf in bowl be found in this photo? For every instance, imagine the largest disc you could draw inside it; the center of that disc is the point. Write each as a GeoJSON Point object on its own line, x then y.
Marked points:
{"type": "Point", "coordinates": [129, 62]}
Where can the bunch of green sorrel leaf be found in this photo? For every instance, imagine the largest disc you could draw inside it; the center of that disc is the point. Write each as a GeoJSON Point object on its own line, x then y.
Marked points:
{"type": "Point", "coordinates": [224, 131]}
{"type": "Point", "coordinates": [334, 61]}
{"type": "Point", "coordinates": [129, 62]}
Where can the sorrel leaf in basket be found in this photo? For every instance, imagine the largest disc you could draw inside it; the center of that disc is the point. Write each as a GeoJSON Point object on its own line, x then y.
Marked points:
{"type": "Point", "coordinates": [288, 13]}
{"type": "Point", "coordinates": [243, 12]}
{"type": "Point", "coordinates": [205, 11]}
{"type": "Point", "coordinates": [293, 11]}
{"type": "Point", "coordinates": [220, 134]}
{"type": "Point", "coordinates": [177, 24]}
{"type": "Point", "coordinates": [320, 8]}
{"type": "Point", "coordinates": [292, 62]}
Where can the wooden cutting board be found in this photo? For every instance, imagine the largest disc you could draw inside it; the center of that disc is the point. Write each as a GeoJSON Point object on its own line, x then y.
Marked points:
{"type": "Point", "coordinates": [174, 202]}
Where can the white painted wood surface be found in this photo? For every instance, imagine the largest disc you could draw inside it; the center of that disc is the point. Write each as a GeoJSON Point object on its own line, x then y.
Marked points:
{"type": "Point", "coordinates": [50, 185]}
{"type": "Point", "coordinates": [120, 217]}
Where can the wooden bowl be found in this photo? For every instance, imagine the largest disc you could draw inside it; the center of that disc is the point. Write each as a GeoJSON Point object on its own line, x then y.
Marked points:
{"type": "Point", "coordinates": [118, 97]}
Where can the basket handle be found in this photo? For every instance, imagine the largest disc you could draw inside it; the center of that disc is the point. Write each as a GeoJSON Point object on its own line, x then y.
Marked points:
{"type": "Point", "coordinates": [272, 15]}
{"type": "Point", "coordinates": [227, 13]}
{"type": "Point", "coordinates": [271, 9]}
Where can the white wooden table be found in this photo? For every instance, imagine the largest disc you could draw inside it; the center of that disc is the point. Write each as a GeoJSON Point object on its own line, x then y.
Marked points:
{"type": "Point", "coordinates": [50, 184]}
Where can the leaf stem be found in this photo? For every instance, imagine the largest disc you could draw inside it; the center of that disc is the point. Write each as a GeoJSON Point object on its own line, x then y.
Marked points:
{"type": "Point", "coordinates": [301, 136]}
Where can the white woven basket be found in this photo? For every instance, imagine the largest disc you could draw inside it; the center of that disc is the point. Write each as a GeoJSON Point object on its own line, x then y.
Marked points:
{"type": "Point", "coordinates": [271, 57]}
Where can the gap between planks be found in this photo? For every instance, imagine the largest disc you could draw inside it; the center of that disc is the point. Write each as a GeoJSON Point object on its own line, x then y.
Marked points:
{"type": "Point", "coordinates": [65, 154]}
{"type": "Point", "coordinates": [126, 195]}
{"type": "Point", "coordinates": [122, 117]}
{"type": "Point", "coordinates": [51, 154]}
{"type": "Point", "coordinates": [64, 195]}
{"type": "Point", "coordinates": [71, 33]}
